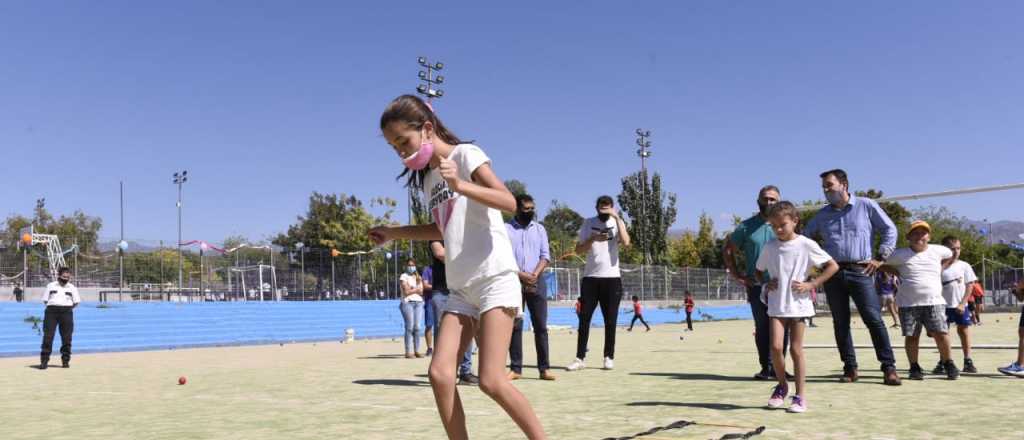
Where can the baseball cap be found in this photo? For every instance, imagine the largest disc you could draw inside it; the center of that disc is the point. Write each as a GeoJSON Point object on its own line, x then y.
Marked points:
{"type": "Point", "coordinates": [920, 224]}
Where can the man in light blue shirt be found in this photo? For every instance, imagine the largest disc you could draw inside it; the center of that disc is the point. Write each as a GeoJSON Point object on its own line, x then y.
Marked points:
{"type": "Point", "coordinates": [530, 247]}
{"type": "Point", "coordinates": [847, 227]}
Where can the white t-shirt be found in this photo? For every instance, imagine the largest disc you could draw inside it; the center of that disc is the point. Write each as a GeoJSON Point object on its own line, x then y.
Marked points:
{"type": "Point", "coordinates": [475, 239]}
{"type": "Point", "coordinates": [920, 275]}
{"type": "Point", "coordinates": [789, 261]}
{"type": "Point", "coordinates": [412, 282]}
{"type": "Point", "coordinates": [603, 257]}
{"type": "Point", "coordinates": [954, 282]}
{"type": "Point", "coordinates": [57, 295]}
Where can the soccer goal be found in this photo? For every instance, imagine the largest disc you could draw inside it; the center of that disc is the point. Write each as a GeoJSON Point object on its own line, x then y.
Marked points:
{"type": "Point", "coordinates": [254, 283]}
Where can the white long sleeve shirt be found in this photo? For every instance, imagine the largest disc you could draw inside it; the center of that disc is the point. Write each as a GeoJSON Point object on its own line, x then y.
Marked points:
{"type": "Point", "coordinates": [58, 295]}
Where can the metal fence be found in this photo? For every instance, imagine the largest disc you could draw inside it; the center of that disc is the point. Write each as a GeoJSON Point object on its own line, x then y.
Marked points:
{"type": "Point", "coordinates": [653, 283]}
{"type": "Point", "coordinates": [314, 274]}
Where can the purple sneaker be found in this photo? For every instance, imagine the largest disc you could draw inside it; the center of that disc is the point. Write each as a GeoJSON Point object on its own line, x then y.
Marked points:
{"type": "Point", "coordinates": [778, 397]}
{"type": "Point", "coordinates": [798, 405]}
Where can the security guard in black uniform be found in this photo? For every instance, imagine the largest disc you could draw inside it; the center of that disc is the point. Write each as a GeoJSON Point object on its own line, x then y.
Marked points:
{"type": "Point", "coordinates": [61, 298]}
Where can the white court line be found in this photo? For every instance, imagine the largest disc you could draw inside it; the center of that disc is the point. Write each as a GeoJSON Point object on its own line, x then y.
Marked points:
{"type": "Point", "coordinates": [979, 346]}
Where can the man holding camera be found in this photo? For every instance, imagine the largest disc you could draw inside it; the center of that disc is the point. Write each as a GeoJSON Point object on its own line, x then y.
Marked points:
{"type": "Point", "coordinates": [600, 237]}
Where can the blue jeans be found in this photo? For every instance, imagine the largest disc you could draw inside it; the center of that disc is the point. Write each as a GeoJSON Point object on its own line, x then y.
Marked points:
{"type": "Point", "coordinates": [412, 313]}
{"type": "Point", "coordinates": [840, 289]}
{"type": "Point", "coordinates": [440, 299]}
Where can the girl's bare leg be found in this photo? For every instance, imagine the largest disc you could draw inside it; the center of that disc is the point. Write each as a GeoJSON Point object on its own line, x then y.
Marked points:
{"type": "Point", "coordinates": [778, 336]}
{"type": "Point", "coordinates": [454, 335]}
{"type": "Point", "coordinates": [796, 348]}
{"type": "Point", "coordinates": [494, 338]}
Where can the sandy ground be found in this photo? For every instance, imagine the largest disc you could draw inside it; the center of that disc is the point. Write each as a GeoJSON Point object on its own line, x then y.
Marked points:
{"type": "Point", "coordinates": [366, 390]}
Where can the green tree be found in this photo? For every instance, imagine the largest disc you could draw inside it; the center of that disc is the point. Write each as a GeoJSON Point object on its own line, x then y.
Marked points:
{"type": "Point", "coordinates": [651, 211]}
{"type": "Point", "coordinates": [336, 222]}
{"type": "Point", "coordinates": [708, 248]}
{"type": "Point", "coordinates": [682, 250]}
{"type": "Point", "coordinates": [563, 225]}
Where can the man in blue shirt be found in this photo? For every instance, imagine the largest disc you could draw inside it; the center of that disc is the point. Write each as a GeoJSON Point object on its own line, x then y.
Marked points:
{"type": "Point", "coordinates": [530, 247]}
{"type": "Point", "coordinates": [749, 237]}
{"type": "Point", "coordinates": [846, 227]}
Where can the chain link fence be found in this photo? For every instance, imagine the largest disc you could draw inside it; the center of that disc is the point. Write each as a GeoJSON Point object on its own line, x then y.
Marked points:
{"type": "Point", "coordinates": [653, 283]}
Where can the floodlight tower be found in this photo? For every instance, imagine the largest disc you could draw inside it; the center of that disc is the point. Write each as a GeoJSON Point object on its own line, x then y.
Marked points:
{"type": "Point", "coordinates": [179, 179]}
{"type": "Point", "coordinates": [429, 91]}
{"type": "Point", "coordinates": [643, 140]}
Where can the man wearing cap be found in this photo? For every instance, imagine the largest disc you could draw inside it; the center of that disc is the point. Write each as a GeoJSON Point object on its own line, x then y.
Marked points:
{"type": "Point", "coordinates": [61, 298]}
{"type": "Point", "coordinates": [846, 228]}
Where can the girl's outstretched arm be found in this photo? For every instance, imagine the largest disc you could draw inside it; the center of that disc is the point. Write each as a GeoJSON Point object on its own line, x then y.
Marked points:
{"type": "Point", "coordinates": [384, 234]}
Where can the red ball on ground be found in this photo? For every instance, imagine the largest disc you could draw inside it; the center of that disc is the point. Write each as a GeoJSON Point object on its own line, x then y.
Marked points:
{"type": "Point", "coordinates": [182, 380]}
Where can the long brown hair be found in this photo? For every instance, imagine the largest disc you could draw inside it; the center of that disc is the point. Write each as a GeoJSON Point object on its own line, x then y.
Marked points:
{"type": "Point", "coordinates": [414, 113]}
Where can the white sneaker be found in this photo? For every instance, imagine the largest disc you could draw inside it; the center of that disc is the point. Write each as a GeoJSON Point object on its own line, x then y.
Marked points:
{"type": "Point", "coordinates": [609, 363]}
{"type": "Point", "coordinates": [577, 364]}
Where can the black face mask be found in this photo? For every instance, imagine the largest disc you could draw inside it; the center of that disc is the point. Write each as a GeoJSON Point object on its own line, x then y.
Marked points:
{"type": "Point", "coordinates": [604, 217]}
{"type": "Point", "coordinates": [524, 218]}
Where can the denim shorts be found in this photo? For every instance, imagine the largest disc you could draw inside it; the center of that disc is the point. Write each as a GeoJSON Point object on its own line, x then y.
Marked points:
{"type": "Point", "coordinates": [932, 318]}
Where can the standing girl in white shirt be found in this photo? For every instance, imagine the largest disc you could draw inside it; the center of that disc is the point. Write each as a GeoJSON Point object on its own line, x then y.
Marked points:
{"type": "Point", "coordinates": [412, 308]}
{"type": "Point", "coordinates": [789, 259]}
{"type": "Point", "coordinates": [465, 199]}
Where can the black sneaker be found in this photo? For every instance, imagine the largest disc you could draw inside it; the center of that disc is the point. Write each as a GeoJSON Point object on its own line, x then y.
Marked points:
{"type": "Point", "coordinates": [765, 374]}
{"type": "Point", "coordinates": [42, 366]}
{"type": "Point", "coordinates": [952, 372]}
{"type": "Point", "coordinates": [940, 368]}
{"type": "Point", "coordinates": [469, 379]}
{"type": "Point", "coordinates": [65, 364]}
{"type": "Point", "coordinates": [916, 373]}
{"type": "Point", "coordinates": [969, 366]}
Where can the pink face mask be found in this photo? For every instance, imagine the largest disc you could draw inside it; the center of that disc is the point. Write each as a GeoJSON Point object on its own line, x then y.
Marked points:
{"type": "Point", "coordinates": [420, 159]}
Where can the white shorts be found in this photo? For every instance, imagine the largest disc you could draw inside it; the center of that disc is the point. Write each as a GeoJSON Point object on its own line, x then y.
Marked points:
{"type": "Point", "coordinates": [502, 290]}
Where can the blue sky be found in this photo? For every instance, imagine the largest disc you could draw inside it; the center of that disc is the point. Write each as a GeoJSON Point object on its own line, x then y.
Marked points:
{"type": "Point", "coordinates": [264, 102]}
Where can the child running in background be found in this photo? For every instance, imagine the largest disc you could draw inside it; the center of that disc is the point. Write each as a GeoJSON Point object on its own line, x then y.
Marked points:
{"type": "Point", "coordinates": [638, 313]}
{"type": "Point", "coordinates": [689, 304]}
{"type": "Point", "coordinates": [887, 284]}
{"type": "Point", "coordinates": [789, 260]}
{"type": "Point", "coordinates": [465, 199]}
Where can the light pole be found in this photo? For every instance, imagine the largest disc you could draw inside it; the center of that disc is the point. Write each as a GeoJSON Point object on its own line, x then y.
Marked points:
{"type": "Point", "coordinates": [180, 179]}
{"type": "Point", "coordinates": [202, 250]}
{"type": "Point", "coordinates": [302, 257]}
{"type": "Point", "coordinates": [644, 142]}
{"type": "Point", "coordinates": [429, 91]}
{"type": "Point", "coordinates": [121, 247]}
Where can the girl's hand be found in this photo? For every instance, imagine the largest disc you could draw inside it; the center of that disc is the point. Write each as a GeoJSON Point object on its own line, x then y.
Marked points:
{"type": "Point", "coordinates": [799, 287]}
{"type": "Point", "coordinates": [773, 284]}
{"type": "Point", "coordinates": [380, 235]}
{"type": "Point", "coordinates": [450, 173]}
